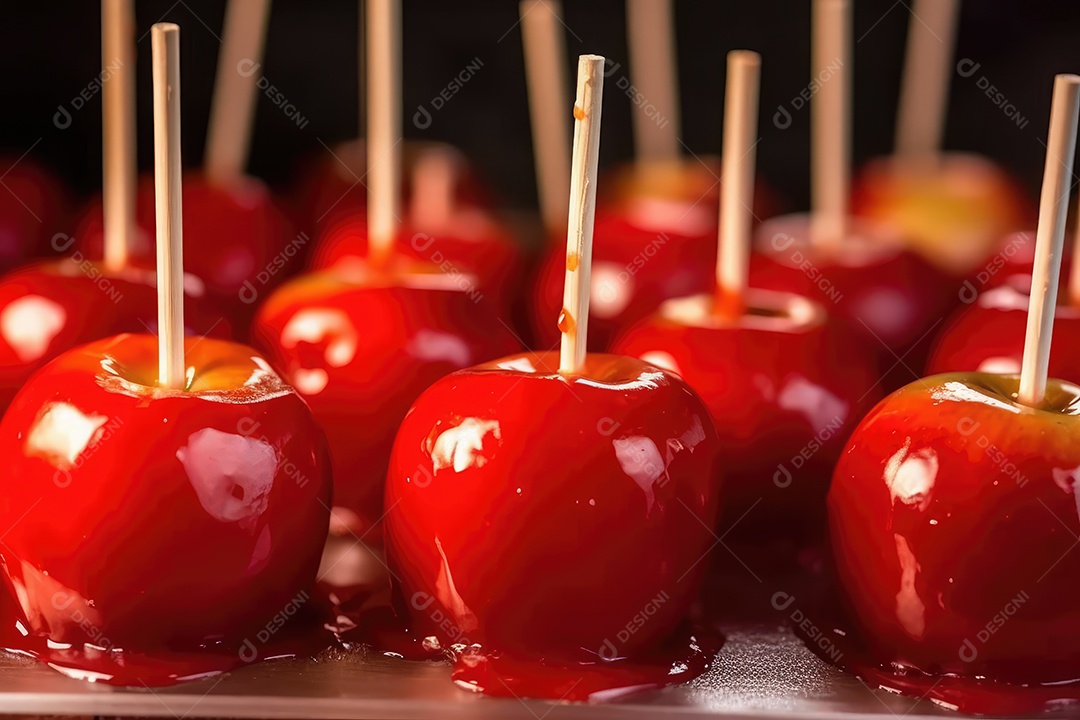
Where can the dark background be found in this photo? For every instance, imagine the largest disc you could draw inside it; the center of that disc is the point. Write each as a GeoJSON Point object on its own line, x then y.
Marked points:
{"type": "Point", "coordinates": [51, 50]}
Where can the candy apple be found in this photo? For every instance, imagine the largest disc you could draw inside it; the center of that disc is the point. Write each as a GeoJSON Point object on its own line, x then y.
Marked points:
{"type": "Point", "coordinates": [951, 208]}
{"type": "Point", "coordinates": [785, 387]}
{"type": "Point", "coordinates": [360, 349]}
{"type": "Point", "coordinates": [953, 516]}
{"type": "Point", "coordinates": [50, 307]}
{"type": "Point", "coordinates": [146, 522]}
{"type": "Point", "coordinates": [890, 295]}
{"type": "Point", "coordinates": [586, 494]}
{"type": "Point", "coordinates": [988, 335]}
{"type": "Point", "coordinates": [238, 243]}
{"type": "Point", "coordinates": [471, 242]}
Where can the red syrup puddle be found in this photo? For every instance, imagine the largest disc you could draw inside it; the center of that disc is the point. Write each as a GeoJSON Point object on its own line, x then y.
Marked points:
{"type": "Point", "coordinates": [364, 617]}
{"type": "Point", "coordinates": [831, 635]}
{"type": "Point", "coordinates": [303, 635]}
{"type": "Point", "coordinates": [364, 614]}
{"type": "Point", "coordinates": [686, 656]}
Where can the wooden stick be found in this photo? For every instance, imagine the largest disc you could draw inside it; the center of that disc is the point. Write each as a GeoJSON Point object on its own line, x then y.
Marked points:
{"type": "Point", "coordinates": [165, 38]}
{"type": "Point", "coordinates": [119, 161]}
{"type": "Point", "coordinates": [830, 119]}
{"type": "Point", "coordinates": [1050, 238]}
{"type": "Point", "coordinates": [544, 43]}
{"type": "Point", "coordinates": [924, 92]}
{"type": "Point", "coordinates": [737, 186]}
{"type": "Point", "coordinates": [434, 182]}
{"type": "Point", "coordinates": [574, 319]}
{"type": "Point", "coordinates": [384, 126]}
{"type": "Point", "coordinates": [654, 73]}
{"type": "Point", "coordinates": [232, 112]}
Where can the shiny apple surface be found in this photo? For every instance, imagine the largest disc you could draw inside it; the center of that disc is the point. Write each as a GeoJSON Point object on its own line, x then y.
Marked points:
{"type": "Point", "coordinates": [148, 526]}
{"type": "Point", "coordinates": [360, 348]}
{"type": "Point", "coordinates": [538, 514]}
{"type": "Point", "coordinates": [953, 517]}
{"type": "Point", "coordinates": [785, 387]}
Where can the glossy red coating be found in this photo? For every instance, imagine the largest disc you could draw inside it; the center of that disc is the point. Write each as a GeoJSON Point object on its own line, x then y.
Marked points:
{"type": "Point", "coordinates": [952, 210]}
{"type": "Point", "coordinates": [155, 524]}
{"type": "Point", "coordinates": [552, 518]}
{"type": "Point", "coordinates": [635, 267]}
{"type": "Point", "coordinates": [361, 350]}
{"type": "Point", "coordinates": [988, 335]}
{"type": "Point", "coordinates": [953, 514]}
{"type": "Point", "coordinates": [891, 296]}
{"type": "Point", "coordinates": [471, 243]}
{"type": "Point", "coordinates": [236, 240]}
{"type": "Point", "coordinates": [50, 307]}
{"type": "Point", "coordinates": [785, 387]}
{"type": "Point", "coordinates": [33, 207]}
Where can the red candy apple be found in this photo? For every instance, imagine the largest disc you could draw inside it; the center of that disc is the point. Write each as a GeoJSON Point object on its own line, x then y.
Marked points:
{"type": "Point", "coordinates": [238, 243]}
{"type": "Point", "coordinates": [50, 307]}
{"type": "Point", "coordinates": [144, 522]}
{"type": "Point", "coordinates": [538, 512]}
{"type": "Point", "coordinates": [361, 349]}
{"type": "Point", "coordinates": [471, 242]}
{"type": "Point", "coordinates": [951, 208]}
{"type": "Point", "coordinates": [784, 385]}
{"type": "Point", "coordinates": [890, 295]}
{"type": "Point", "coordinates": [954, 516]}
{"type": "Point", "coordinates": [988, 335]}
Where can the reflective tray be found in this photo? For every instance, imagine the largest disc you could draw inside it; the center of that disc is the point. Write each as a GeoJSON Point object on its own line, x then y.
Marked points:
{"type": "Point", "coordinates": [762, 672]}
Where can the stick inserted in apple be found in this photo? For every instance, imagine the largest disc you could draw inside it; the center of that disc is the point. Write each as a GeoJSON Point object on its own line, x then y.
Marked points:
{"type": "Point", "coordinates": [237, 229]}
{"type": "Point", "coordinates": [362, 341]}
{"type": "Point", "coordinates": [655, 228]}
{"type": "Point", "coordinates": [858, 270]}
{"type": "Point", "coordinates": [52, 306]}
{"type": "Point", "coordinates": [951, 207]}
{"type": "Point", "coordinates": [958, 493]}
{"type": "Point", "coordinates": [165, 498]}
{"type": "Point", "coordinates": [777, 373]}
{"type": "Point", "coordinates": [591, 478]}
